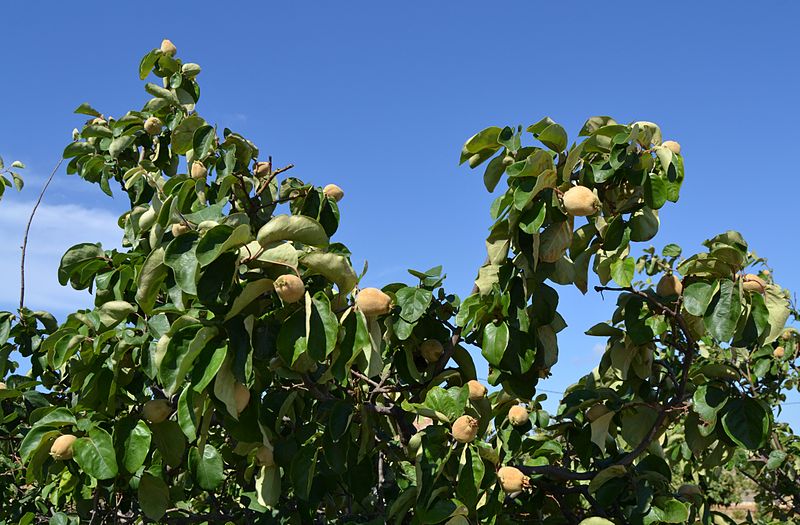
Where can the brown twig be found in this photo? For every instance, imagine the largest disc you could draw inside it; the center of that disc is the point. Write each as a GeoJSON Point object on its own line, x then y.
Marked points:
{"type": "Point", "coordinates": [27, 232]}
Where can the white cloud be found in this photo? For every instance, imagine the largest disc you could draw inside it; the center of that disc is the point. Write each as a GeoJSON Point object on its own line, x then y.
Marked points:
{"type": "Point", "coordinates": [55, 228]}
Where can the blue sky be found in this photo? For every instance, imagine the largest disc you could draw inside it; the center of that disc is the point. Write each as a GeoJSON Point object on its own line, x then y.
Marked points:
{"type": "Point", "coordinates": [378, 97]}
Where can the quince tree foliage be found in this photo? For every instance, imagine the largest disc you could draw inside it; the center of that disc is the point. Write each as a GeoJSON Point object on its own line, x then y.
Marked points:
{"type": "Point", "coordinates": [232, 370]}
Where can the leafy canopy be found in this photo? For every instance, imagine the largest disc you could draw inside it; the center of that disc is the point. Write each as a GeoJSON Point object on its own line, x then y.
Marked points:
{"type": "Point", "coordinates": [311, 411]}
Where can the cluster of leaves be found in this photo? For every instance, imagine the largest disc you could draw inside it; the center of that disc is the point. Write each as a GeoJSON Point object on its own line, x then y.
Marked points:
{"type": "Point", "coordinates": [318, 410]}
{"type": "Point", "coordinates": [16, 179]}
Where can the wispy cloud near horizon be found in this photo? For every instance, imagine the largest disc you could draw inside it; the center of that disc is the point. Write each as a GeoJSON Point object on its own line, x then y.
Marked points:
{"type": "Point", "coordinates": [55, 228]}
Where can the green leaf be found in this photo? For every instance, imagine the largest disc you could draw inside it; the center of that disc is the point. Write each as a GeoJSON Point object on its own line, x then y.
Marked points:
{"type": "Point", "coordinates": [268, 485]}
{"type": "Point", "coordinates": [151, 277]}
{"type": "Point", "coordinates": [495, 341]}
{"type": "Point", "coordinates": [297, 228]}
{"type": "Point", "coordinates": [180, 255]}
{"type": "Point", "coordinates": [160, 92]}
{"type": "Point", "coordinates": [220, 239]}
{"type": "Point", "coordinates": [747, 422]}
{"type": "Point", "coordinates": [322, 327]}
{"type": "Point", "coordinates": [95, 454]}
{"type": "Point", "coordinates": [334, 267]}
{"type": "Point", "coordinates": [87, 109]}
{"type": "Point", "coordinates": [449, 403]}
{"type": "Point", "coordinates": [112, 313]}
{"type": "Point", "coordinates": [483, 141]}
{"type": "Point", "coordinates": [413, 302]}
{"type": "Point", "coordinates": [183, 134]}
{"type": "Point", "coordinates": [207, 468]}
{"type": "Point", "coordinates": [120, 144]}
{"type": "Point", "coordinates": [778, 308]}
{"type": "Point", "coordinates": [136, 446]}
{"type": "Point", "coordinates": [554, 137]}
{"type": "Point", "coordinates": [170, 441]}
{"type": "Point", "coordinates": [224, 386]}
{"type": "Point", "coordinates": [58, 417]}
{"type": "Point", "coordinates": [203, 141]}
{"type": "Point", "coordinates": [494, 171]}
{"type": "Point", "coordinates": [697, 296]}
{"type": "Point", "coordinates": [183, 348]}
{"type": "Point", "coordinates": [302, 470]}
{"type": "Point", "coordinates": [725, 311]}
{"type": "Point", "coordinates": [252, 291]}
{"type": "Point", "coordinates": [153, 496]}
{"type": "Point", "coordinates": [776, 459]}
{"type": "Point", "coordinates": [622, 271]}
{"type": "Point", "coordinates": [147, 63]}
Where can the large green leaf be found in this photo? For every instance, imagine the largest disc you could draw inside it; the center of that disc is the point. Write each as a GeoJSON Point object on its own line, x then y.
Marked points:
{"type": "Point", "coordinates": [136, 446]}
{"type": "Point", "coordinates": [206, 467]}
{"type": "Point", "coordinates": [170, 441]}
{"type": "Point", "coordinates": [747, 422]}
{"type": "Point", "coordinates": [495, 342]}
{"type": "Point", "coordinates": [413, 302]}
{"type": "Point", "coordinates": [95, 454]}
{"type": "Point", "coordinates": [153, 496]}
{"type": "Point", "coordinates": [184, 132]}
{"type": "Point", "coordinates": [151, 276]}
{"type": "Point", "coordinates": [181, 257]}
{"type": "Point", "coordinates": [268, 485]}
{"type": "Point", "coordinates": [322, 327]}
{"type": "Point", "coordinates": [252, 290]}
{"type": "Point", "coordinates": [183, 348]}
{"type": "Point", "coordinates": [778, 307]}
{"type": "Point", "coordinates": [298, 228]}
{"type": "Point", "coordinates": [220, 239]}
{"type": "Point", "coordinates": [334, 267]}
{"type": "Point", "coordinates": [697, 296]}
{"type": "Point", "coordinates": [725, 311]}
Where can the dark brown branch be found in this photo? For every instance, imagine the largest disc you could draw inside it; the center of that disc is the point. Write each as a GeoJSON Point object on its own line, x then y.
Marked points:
{"type": "Point", "coordinates": [27, 232]}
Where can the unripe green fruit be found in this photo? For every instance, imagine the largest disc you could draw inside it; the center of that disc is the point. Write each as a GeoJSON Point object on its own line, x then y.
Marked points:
{"type": "Point", "coordinates": [61, 449]}
{"type": "Point", "coordinates": [518, 415]}
{"type": "Point", "coordinates": [179, 228]}
{"type": "Point", "coordinates": [168, 48]}
{"type": "Point", "coordinates": [431, 350]}
{"type": "Point", "coordinates": [157, 410]}
{"type": "Point", "coordinates": [673, 146]}
{"type": "Point", "coordinates": [596, 412]}
{"type": "Point", "coordinates": [242, 396]}
{"type": "Point", "coordinates": [465, 429]}
{"type": "Point", "coordinates": [778, 352]}
{"type": "Point", "coordinates": [262, 169]}
{"type": "Point", "coordinates": [290, 288]}
{"type": "Point", "coordinates": [373, 302]}
{"type": "Point", "coordinates": [333, 191]}
{"type": "Point", "coordinates": [153, 126]}
{"type": "Point", "coordinates": [199, 170]}
{"type": "Point", "coordinates": [753, 283]}
{"type": "Point", "coordinates": [669, 286]}
{"type": "Point", "coordinates": [512, 480]}
{"type": "Point", "coordinates": [414, 443]}
{"type": "Point", "coordinates": [476, 390]}
{"type": "Point", "coordinates": [265, 457]}
{"type": "Point", "coordinates": [147, 219]}
{"type": "Point", "coordinates": [787, 335]}
{"type": "Point", "coordinates": [580, 201]}
{"type": "Point", "coordinates": [206, 225]}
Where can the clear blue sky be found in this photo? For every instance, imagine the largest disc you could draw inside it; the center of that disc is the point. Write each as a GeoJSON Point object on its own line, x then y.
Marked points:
{"type": "Point", "coordinates": [378, 97]}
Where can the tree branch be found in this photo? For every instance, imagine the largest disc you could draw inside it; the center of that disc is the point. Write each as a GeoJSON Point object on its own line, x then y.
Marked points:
{"type": "Point", "coordinates": [27, 232]}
